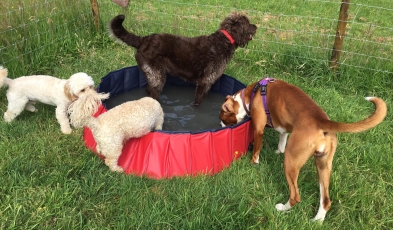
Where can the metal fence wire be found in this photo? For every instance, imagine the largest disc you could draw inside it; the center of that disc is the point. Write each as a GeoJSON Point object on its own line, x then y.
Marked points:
{"type": "Point", "coordinates": [304, 30]}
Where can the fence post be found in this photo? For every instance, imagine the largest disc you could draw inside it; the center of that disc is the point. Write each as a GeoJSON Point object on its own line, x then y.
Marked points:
{"type": "Point", "coordinates": [340, 34]}
{"type": "Point", "coordinates": [96, 13]}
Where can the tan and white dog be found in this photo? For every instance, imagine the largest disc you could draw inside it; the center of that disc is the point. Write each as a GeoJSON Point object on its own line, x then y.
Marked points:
{"type": "Point", "coordinates": [290, 110]}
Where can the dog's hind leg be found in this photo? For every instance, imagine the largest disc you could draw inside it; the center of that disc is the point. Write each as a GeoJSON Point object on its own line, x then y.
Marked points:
{"type": "Point", "coordinates": [154, 87]}
{"type": "Point", "coordinates": [155, 78]}
{"type": "Point", "coordinates": [62, 119]}
{"type": "Point", "coordinates": [296, 155]}
{"type": "Point", "coordinates": [15, 107]}
{"type": "Point", "coordinates": [201, 90]}
{"type": "Point", "coordinates": [30, 106]}
{"type": "Point", "coordinates": [323, 160]}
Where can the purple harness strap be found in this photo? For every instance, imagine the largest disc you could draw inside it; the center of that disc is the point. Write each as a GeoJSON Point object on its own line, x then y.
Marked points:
{"type": "Point", "coordinates": [263, 85]}
{"type": "Point", "coordinates": [263, 93]}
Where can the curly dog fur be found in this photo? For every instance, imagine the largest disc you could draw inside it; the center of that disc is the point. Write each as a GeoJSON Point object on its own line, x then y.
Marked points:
{"type": "Point", "coordinates": [111, 129]}
{"type": "Point", "coordinates": [24, 92]}
{"type": "Point", "coordinates": [201, 60]}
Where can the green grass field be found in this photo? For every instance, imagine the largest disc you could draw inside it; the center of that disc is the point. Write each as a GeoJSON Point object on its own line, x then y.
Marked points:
{"type": "Point", "coordinates": [52, 181]}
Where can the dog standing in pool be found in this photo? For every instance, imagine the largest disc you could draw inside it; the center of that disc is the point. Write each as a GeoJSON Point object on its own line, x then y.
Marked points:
{"type": "Point", "coordinates": [201, 60]}
{"type": "Point", "coordinates": [111, 129]}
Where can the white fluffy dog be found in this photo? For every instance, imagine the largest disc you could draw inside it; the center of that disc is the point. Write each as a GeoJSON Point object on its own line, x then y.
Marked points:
{"type": "Point", "coordinates": [111, 129]}
{"type": "Point", "coordinates": [24, 92]}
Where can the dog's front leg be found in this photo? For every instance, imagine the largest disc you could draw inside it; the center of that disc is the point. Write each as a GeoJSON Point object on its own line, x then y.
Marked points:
{"type": "Point", "coordinates": [258, 138]}
{"type": "Point", "coordinates": [112, 164]}
{"type": "Point", "coordinates": [62, 118]}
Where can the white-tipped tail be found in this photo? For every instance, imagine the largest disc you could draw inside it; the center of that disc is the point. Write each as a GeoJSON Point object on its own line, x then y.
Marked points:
{"type": "Point", "coordinates": [374, 119]}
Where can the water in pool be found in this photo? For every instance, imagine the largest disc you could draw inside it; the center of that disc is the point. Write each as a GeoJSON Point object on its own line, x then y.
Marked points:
{"type": "Point", "coordinates": [180, 113]}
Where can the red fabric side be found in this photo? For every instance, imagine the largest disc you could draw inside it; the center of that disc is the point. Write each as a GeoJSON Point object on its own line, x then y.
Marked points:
{"type": "Point", "coordinates": [239, 140]}
{"type": "Point", "coordinates": [90, 143]}
{"type": "Point", "coordinates": [159, 155]}
{"type": "Point", "coordinates": [128, 155]}
{"type": "Point", "coordinates": [201, 148]}
{"type": "Point", "coordinates": [156, 156]}
{"type": "Point", "coordinates": [179, 155]}
{"type": "Point", "coordinates": [135, 154]}
{"type": "Point", "coordinates": [222, 152]}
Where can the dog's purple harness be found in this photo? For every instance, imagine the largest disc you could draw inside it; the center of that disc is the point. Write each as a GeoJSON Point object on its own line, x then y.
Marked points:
{"type": "Point", "coordinates": [263, 85]}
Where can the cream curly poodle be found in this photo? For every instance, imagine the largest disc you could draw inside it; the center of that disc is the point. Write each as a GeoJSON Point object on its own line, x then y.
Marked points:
{"type": "Point", "coordinates": [111, 129]}
{"type": "Point", "coordinates": [24, 92]}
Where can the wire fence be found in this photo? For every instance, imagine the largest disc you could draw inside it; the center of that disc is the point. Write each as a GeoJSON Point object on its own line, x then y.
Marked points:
{"type": "Point", "coordinates": [300, 30]}
{"type": "Point", "coordinates": [33, 33]}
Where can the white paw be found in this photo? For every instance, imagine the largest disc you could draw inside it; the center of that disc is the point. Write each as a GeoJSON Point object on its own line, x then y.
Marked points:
{"type": "Point", "coordinates": [320, 220]}
{"type": "Point", "coordinates": [66, 130]}
{"type": "Point", "coordinates": [283, 207]}
{"type": "Point", "coordinates": [278, 151]}
{"type": "Point", "coordinates": [8, 117]}
{"type": "Point", "coordinates": [320, 215]}
{"type": "Point", "coordinates": [117, 169]}
{"type": "Point", "coordinates": [31, 109]}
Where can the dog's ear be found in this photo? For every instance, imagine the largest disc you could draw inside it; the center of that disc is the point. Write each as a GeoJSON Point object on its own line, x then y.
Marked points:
{"type": "Point", "coordinates": [68, 92]}
{"type": "Point", "coordinates": [227, 107]}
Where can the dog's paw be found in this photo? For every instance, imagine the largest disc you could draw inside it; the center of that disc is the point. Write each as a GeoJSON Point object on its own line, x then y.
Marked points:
{"type": "Point", "coordinates": [31, 108]}
{"type": "Point", "coordinates": [9, 116]}
{"type": "Point", "coordinates": [117, 169]}
{"type": "Point", "coordinates": [195, 103]}
{"type": "Point", "coordinates": [66, 130]}
{"type": "Point", "coordinates": [319, 221]}
{"type": "Point", "coordinates": [283, 207]}
{"type": "Point", "coordinates": [278, 151]}
{"type": "Point", "coordinates": [320, 215]}
{"type": "Point", "coordinates": [255, 160]}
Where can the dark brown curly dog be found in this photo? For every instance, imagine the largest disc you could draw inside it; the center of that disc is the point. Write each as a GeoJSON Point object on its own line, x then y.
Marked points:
{"type": "Point", "coordinates": [201, 60]}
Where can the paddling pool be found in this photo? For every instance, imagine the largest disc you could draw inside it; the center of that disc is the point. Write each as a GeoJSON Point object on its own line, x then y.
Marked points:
{"type": "Point", "coordinates": [191, 142]}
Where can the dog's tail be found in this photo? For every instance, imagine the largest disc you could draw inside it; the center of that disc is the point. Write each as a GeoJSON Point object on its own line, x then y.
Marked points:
{"type": "Point", "coordinates": [363, 125]}
{"type": "Point", "coordinates": [81, 111]}
{"type": "Point", "coordinates": [3, 76]}
{"type": "Point", "coordinates": [118, 31]}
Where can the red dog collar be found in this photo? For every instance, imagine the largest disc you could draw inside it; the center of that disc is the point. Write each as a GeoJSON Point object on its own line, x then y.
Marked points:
{"type": "Point", "coordinates": [228, 36]}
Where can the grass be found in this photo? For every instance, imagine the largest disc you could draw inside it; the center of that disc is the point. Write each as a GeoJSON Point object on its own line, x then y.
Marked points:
{"type": "Point", "coordinates": [51, 181]}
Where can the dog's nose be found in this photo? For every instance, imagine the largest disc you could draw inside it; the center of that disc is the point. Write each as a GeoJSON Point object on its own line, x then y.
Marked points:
{"type": "Point", "coordinates": [254, 28]}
